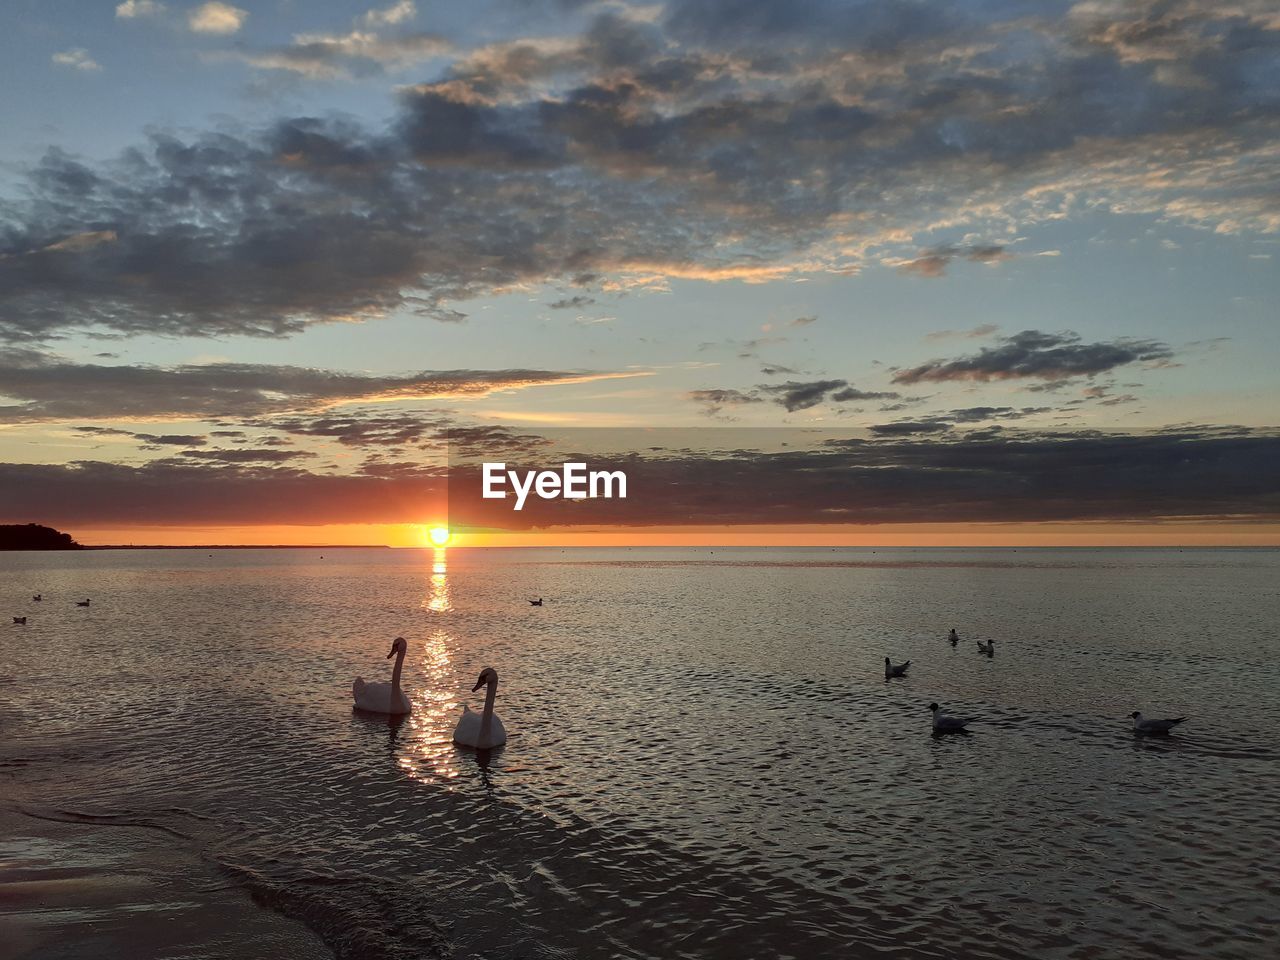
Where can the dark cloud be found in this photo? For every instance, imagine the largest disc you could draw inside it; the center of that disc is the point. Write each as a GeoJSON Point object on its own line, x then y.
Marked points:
{"type": "Point", "coordinates": [996, 476]}
{"type": "Point", "coordinates": [362, 428]}
{"type": "Point", "coordinates": [906, 428]}
{"type": "Point", "coordinates": [402, 431]}
{"type": "Point", "coordinates": [716, 400]}
{"type": "Point", "coordinates": [572, 303]}
{"type": "Point", "coordinates": [148, 441]}
{"type": "Point", "coordinates": [978, 332]}
{"type": "Point", "coordinates": [486, 440]}
{"type": "Point", "coordinates": [47, 388]}
{"type": "Point", "coordinates": [933, 262]}
{"type": "Point", "coordinates": [941, 422]}
{"type": "Point", "coordinates": [1035, 355]}
{"type": "Point", "coordinates": [1101, 394]}
{"type": "Point", "coordinates": [793, 395]}
{"type": "Point", "coordinates": [979, 414]}
{"type": "Point", "coordinates": [247, 456]}
{"type": "Point", "coordinates": [796, 395]}
{"type": "Point", "coordinates": [153, 441]}
{"type": "Point", "coordinates": [849, 394]}
{"type": "Point", "coordinates": [727, 140]}
{"type": "Point", "coordinates": [167, 491]}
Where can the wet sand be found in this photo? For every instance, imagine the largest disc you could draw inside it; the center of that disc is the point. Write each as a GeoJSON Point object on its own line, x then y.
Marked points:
{"type": "Point", "coordinates": [83, 890]}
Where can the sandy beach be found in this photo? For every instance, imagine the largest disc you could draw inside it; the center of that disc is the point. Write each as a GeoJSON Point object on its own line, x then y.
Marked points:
{"type": "Point", "coordinates": [90, 890]}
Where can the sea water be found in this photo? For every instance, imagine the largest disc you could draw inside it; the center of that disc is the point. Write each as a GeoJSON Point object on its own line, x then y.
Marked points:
{"type": "Point", "coordinates": [704, 758]}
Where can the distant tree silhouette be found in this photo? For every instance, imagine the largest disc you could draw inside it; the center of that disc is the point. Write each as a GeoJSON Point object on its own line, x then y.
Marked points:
{"type": "Point", "coordinates": [33, 536]}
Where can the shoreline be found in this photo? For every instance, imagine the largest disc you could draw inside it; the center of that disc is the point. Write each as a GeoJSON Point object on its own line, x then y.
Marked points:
{"type": "Point", "coordinates": [71, 888]}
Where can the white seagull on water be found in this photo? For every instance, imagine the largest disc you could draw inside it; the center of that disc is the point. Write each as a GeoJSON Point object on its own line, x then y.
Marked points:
{"type": "Point", "coordinates": [895, 671]}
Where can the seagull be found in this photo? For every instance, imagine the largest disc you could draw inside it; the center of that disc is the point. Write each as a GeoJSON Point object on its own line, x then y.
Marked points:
{"type": "Point", "coordinates": [37, 597]}
{"type": "Point", "coordinates": [988, 648]}
{"type": "Point", "coordinates": [82, 603]}
{"type": "Point", "coordinates": [536, 603]}
{"type": "Point", "coordinates": [945, 724]}
{"type": "Point", "coordinates": [891, 671]}
{"type": "Point", "coordinates": [20, 620]}
{"type": "Point", "coordinates": [1155, 727]}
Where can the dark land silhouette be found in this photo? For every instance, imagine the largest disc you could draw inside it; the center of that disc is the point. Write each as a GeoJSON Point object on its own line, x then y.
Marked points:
{"type": "Point", "coordinates": [33, 536]}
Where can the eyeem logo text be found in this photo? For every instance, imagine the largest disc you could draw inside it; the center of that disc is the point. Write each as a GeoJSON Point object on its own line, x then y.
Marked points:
{"type": "Point", "coordinates": [573, 482]}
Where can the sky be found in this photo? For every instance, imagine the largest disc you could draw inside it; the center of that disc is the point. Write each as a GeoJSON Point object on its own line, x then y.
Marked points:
{"type": "Point", "coordinates": [1003, 272]}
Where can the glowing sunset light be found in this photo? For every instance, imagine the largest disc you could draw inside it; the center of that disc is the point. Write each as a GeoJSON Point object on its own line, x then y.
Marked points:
{"type": "Point", "coordinates": [439, 536]}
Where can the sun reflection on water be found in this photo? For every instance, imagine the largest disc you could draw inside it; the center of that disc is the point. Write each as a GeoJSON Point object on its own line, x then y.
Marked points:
{"type": "Point", "coordinates": [437, 598]}
{"type": "Point", "coordinates": [431, 754]}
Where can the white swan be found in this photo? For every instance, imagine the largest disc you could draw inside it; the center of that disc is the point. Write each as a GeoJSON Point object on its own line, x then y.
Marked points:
{"type": "Point", "coordinates": [895, 671]}
{"type": "Point", "coordinates": [384, 697]}
{"type": "Point", "coordinates": [481, 730]}
{"type": "Point", "coordinates": [1155, 727]}
{"type": "Point", "coordinates": [945, 724]}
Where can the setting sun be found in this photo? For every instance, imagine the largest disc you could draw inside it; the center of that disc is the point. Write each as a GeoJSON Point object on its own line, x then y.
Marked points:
{"type": "Point", "coordinates": [439, 536]}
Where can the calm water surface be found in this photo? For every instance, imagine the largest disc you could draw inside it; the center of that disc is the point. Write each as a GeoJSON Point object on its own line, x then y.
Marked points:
{"type": "Point", "coordinates": [704, 758]}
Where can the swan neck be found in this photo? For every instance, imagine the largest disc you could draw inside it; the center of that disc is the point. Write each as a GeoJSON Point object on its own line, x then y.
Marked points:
{"type": "Point", "coordinates": [490, 695]}
{"type": "Point", "coordinates": [395, 674]}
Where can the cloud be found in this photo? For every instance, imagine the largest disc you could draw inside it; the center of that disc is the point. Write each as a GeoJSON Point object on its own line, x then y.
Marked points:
{"type": "Point", "coordinates": [247, 456]}
{"type": "Point", "coordinates": [136, 9]}
{"type": "Point", "coordinates": [980, 414]}
{"type": "Point", "coordinates": [796, 395]}
{"type": "Point", "coordinates": [404, 434]}
{"type": "Point", "coordinates": [802, 321]}
{"type": "Point", "coordinates": [77, 58]}
{"type": "Point", "coordinates": [1035, 355]}
{"type": "Point", "coordinates": [942, 422]}
{"type": "Point", "coordinates": [330, 56]}
{"type": "Point", "coordinates": [389, 16]}
{"type": "Point", "coordinates": [148, 441]}
{"type": "Point", "coordinates": [721, 141]}
{"type": "Point", "coordinates": [715, 400]}
{"type": "Point", "coordinates": [1103, 395]}
{"type": "Point", "coordinates": [363, 428]}
{"type": "Point", "coordinates": [933, 263]}
{"type": "Point", "coordinates": [1058, 476]}
{"type": "Point", "coordinates": [572, 303]}
{"type": "Point", "coordinates": [793, 395]}
{"type": "Point", "coordinates": [849, 394]}
{"type": "Point", "coordinates": [48, 389]}
{"type": "Point", "coordinates": [362, 51]}
{"type": "Point", "coordinates": [904, 428]}
{"type": "Point", "coordinates": [976, 333]}
{"type": "Point", "coordinates": [217, 18]}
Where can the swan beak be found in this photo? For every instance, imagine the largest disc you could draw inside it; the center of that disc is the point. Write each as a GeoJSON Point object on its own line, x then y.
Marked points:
{"type": "Point", "coordinates": [392, 653]}
{"type": "Point", "coordinates": [479, 684]}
